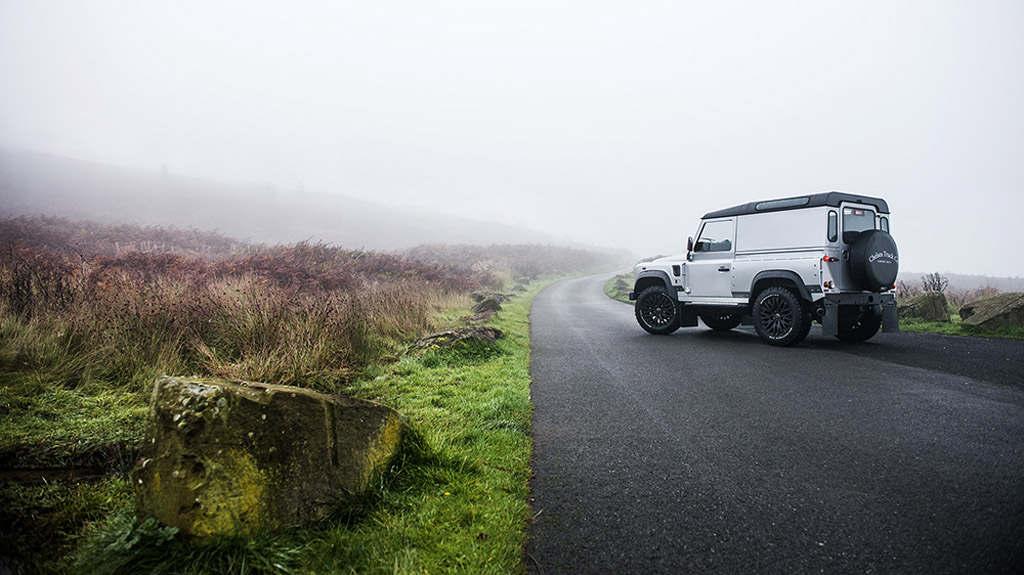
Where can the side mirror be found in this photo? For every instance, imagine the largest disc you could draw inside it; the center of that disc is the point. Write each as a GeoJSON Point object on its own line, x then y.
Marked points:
{"type": "Point", "coordinates": [689, 244]}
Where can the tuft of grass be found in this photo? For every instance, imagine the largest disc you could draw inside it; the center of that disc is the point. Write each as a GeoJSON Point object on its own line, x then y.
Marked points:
{"type": "Point", "coordinates": [125, 546]}
{"type": "Point", "coordinates": [40, 523]}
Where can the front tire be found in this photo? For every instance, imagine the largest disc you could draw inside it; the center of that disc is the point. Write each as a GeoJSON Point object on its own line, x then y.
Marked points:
{"type": "Point", "coordinates": [656, 311]}
{"type": "Point", "coordinates": [857, 325]}
{"type": "Point", "coordinates": [780, 317]}
{"type": "Point", "coordinates": [721, 321]}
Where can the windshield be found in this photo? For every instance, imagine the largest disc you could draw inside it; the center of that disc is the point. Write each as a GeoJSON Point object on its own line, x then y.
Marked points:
{"type": "Point", "coordinates": [855, 221]}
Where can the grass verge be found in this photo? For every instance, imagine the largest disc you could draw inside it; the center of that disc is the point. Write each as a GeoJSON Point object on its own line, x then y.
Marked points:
{"type": "Point", "coordinates": [462, 508]}
{"type": "Point", "coordinates": [618, 287]}
{"type": "Point", "coordinates": [956, 327]}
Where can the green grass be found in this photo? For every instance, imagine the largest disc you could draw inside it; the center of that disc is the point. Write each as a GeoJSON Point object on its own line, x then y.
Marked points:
{"type": "Point", "coordinates": [455, 502]}
{"type": "Point", "coordinates": [462, 508]}
{"type": "Point", "coordinates": [956, 327]}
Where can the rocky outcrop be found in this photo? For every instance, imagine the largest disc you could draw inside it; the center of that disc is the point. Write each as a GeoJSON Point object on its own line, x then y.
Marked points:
{"type": "Point", "coordinates": [930, 306]}
{"type": "Point", "coordinates": [228, 458]}
{"type": "Point", "coordinates": [459, 335]}
{"type": "Point", "coordinates": [1005, 309]}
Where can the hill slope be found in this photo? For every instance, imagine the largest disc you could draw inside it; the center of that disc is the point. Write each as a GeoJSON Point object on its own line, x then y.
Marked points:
{"type": "Point", "coordinates": [36, 183]}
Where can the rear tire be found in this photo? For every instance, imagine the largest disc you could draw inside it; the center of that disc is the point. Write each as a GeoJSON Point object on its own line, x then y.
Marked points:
{"type": "Point", "coordinates": [721, 321]}
{"type": "Point", "coordinates": [657, 311]}
{"type": "Point", "coordinates": [857, 325]}
{"type": "Point", "coordinates": [781, 317]}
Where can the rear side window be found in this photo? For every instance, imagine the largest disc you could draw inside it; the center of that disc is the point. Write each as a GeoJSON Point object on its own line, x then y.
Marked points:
{"type": "Point", "coordinates": [855, 221]}
{"type": "Point", "coordinates": [833, 226]}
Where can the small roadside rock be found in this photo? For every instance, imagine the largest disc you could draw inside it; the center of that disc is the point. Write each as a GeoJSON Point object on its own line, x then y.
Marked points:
{"type": "Point", "coordinates": [479, 296]}
{"type": "Point", "coordinates": [459, 335]}
{"type": "Point", "coordinates": [487, 304]}
{"type": "Point", "coordinates": [479, 317]}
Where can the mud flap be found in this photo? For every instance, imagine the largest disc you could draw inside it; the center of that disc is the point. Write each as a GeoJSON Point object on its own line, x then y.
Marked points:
{"type": "Point", "coordinates": [890, 320]}
{"type": "Point", "coordinates": [687, 316]}
{"type": "Point", "coordinates": [830, 322]}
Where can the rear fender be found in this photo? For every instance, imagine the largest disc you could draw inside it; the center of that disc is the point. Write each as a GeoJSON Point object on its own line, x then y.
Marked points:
{"type": "Point", "coordinates": [783, 278]}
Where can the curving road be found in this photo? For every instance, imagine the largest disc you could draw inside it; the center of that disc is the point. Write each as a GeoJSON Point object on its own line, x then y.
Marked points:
{"type": "Point", "coordinates": [707, 452]}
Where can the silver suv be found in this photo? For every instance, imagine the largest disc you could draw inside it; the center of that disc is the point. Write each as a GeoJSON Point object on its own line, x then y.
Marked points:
{"type": "Point", "coordinates": [781, 265]}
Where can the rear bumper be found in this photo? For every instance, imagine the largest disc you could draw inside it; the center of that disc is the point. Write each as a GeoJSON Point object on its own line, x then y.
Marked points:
{"type": "Point", "coordinates": [885, 304]}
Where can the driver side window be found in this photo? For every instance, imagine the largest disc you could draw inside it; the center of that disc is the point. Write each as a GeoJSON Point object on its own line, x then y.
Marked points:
{"type": "Point", "coordinates": [715, 237]}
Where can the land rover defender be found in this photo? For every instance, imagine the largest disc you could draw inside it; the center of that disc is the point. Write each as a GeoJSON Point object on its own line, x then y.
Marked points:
{"type": "Point", "coordinates": [780, 265]}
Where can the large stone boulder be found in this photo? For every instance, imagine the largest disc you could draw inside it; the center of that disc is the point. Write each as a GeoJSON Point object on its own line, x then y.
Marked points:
{"type": "Point", "coordinates": [930, 306]}
{"type": "Point", "coordinates": [237, 459]}
{"type": "Point", "coordinates": [1005, 309]}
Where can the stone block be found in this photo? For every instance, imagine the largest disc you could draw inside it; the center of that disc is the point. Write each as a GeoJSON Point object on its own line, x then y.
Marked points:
{"type": "Point", "coordinates": [223, 458]}
{"type": "Point", "coordinates": [929, 306]}
{"type": "Point", "coordinates": [1006, 309]}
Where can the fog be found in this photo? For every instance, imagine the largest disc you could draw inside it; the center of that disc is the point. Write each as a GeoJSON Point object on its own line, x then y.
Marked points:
{"type": "Point", "coordinates": [608, 123]}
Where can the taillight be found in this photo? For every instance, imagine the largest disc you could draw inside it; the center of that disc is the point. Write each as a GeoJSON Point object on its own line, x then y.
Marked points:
{"type": "Point", "coordinates": [829, 259]}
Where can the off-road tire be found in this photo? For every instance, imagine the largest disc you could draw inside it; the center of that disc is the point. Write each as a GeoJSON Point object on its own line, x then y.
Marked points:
{"type": "Point", "coordinates": [657, 311]}
{"type": "Point", "coordinates": [857, 325]}
{"type": "Point", "coordinates": [781, 317]}
{"type": "Point", "coordinates": [719, 321]}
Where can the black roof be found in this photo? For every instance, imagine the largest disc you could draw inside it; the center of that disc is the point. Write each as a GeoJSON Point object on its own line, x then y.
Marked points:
{"type": "Point", "coordinates": [798, 202]}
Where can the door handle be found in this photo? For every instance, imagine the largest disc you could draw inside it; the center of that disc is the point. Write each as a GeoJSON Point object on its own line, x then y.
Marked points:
{"type": "Point", "coordinates": [724, 268]}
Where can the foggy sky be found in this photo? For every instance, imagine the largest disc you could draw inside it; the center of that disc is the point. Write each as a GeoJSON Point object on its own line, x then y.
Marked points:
{"type": "Point", "coordinates": [612, 123]}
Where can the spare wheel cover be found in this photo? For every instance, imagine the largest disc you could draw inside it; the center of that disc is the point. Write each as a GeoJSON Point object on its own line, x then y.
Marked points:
{"type": "Point", "coordinates": [874, 260]}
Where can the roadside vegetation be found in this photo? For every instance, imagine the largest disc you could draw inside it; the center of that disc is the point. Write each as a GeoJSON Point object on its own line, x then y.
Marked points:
{"type": "Point", "coordinates": [950, 322]}
{"type": "Point", "coordinates": [955, 326]}
{"type": "Point", "coordinates": [618, 287]}
{"type": "Point", "coordinates": [90, 315]}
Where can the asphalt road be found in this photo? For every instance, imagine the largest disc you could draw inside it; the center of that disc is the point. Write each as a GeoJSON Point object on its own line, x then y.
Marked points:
{"type": "Point", "coordinates": [705, 452]}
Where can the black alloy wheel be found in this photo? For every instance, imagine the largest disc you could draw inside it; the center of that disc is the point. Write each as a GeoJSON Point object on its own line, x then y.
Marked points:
{"type": "Point", "coordinates": [780, 317]}
{"type": "Point", "coordinates": [656, 311]}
